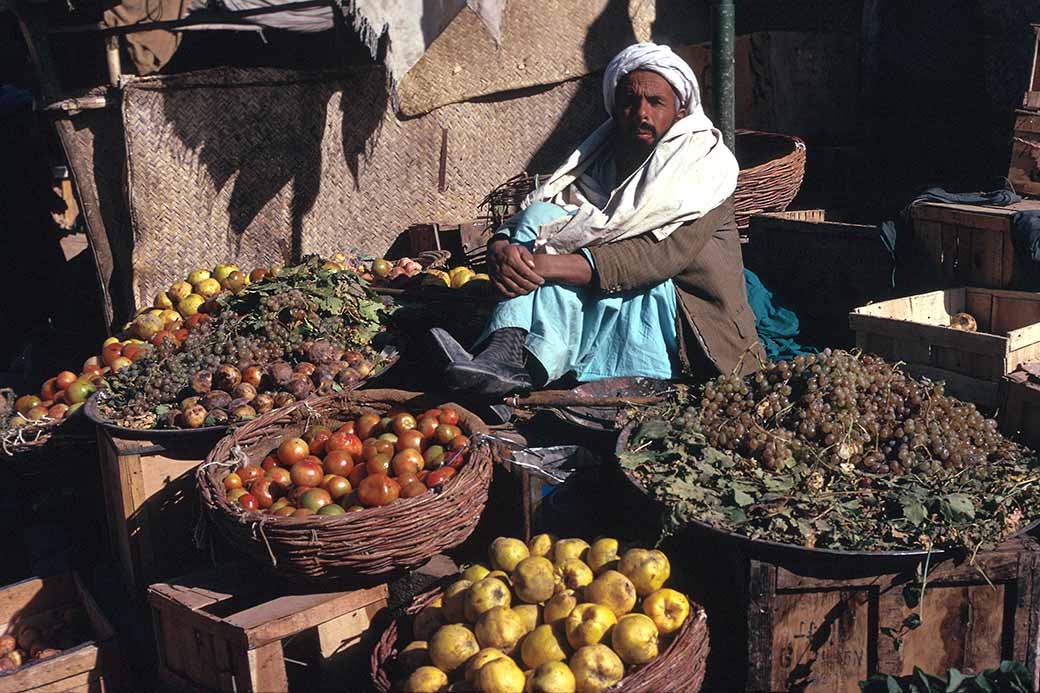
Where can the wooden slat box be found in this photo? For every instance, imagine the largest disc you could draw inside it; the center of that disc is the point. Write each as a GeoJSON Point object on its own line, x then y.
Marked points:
{"type": "Point", "coordinates": [224, 629]}
{"type": "Point", "coordinates": [824, 635]}
{"type": "Point", "coordinates": [1019, 414]}
{"type": "Point", "coordinates": [969, 245]}
{"type": "Point", "coordinates": [152, 508]}
{"type": "Point", "coordinates": [819, 267]}
{"type": "Point", "coordinates": [915, 330]}
{"type": "Point", "coordinates": [91, 666]}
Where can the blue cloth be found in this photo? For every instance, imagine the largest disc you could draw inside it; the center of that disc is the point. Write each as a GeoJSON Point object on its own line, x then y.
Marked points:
{"type": "Point", "coordinates": [592, 335]}
{"type": "Point", "coordinates": [777, 326]}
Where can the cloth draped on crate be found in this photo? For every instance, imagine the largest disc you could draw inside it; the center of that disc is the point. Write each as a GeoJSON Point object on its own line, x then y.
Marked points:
{"type": "Point", "coordinates": [777, 325]}
{"type": "Point", "coordinates": [1025, 226]}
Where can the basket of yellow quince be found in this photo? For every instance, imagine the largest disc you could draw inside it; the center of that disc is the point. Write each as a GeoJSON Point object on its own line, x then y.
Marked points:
{"type": "Point", "coordinates": [549, 615]}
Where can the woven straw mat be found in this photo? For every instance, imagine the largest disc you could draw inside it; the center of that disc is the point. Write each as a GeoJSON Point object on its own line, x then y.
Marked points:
{"type": "Point", "coordinates": [259, 165]}
{"type": "Point", "coordinates": [543, 42]}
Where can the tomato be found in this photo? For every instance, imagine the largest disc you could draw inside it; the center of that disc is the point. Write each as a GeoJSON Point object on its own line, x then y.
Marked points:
{"type": "Point", "coordinates": [315, 499]}
{"type": "Point", "coordinates": [377, 447]}
{"type": "Point", "coordinates": [292, 450]}
{"type": "Point", "coordinates": [249, 502]}
{"type": "Point", "coordinates": [367, 425]}
{"type": "Point", "coordinates": [120, 363]}
{"type": "Point", "coordinates": [49, 389]}
{"type": "Point", "coordinates": [285, 511]}
{"type": "Point", "coordinates": [64, 379]}
{"type": "Point", "coordinates": [439, 476]}
{"type": "Point", "coordinates": [446, 433]}
{"type": "Point", "coordinates": [111, 352]}
{"type": "Point", "coordinates": [266, 492]}
{"type": "Point", "coordinates": [269, 463]}
{"type": "Point", "coordinates": [348, 427]}
{"type": "Point", "coordinates": [434, 456]}
{"type": "Point", "coordinates": [234, 494]}
{"type": "Point", "coordinates": [280, 476]}
{"type": "Point", "coordinates": [449, 416]}
{"type": "Point", "coordinates": [357, 474]}
{"type": "Point", "coordinates": [426, 426]}
{"type": "Point", "coordinates": [249, 473]}
{"type": "Point", "coordinates": [403, 422]}
{"type": "Point", "coordinates": [348, 442]}
{"type": "Point", "coordinates": [181, 334]}
{"type": "Point", "coordinates": [380, 464]}
{"type": "Point", "coordinates": [307, 473]}
{"type": "Point", "coordinates": [58, 411]}
{"type": "Point", "coordinates": [413, 489]}
{"type": "Point", "coordinates": [164, 336]}
{"type": "Point", "coordinates": [232, 481]}
{"type": "Point", "coordinates": [318, 440]}
{"type": "Point", "coordinates": [407, 461]}
{"type": "Point", "coordinates": [459, 442]}
{"type": "Point", "coordinates": [431, 414]}
{"type": "Point", "coordinates": [411, 440]}
{"type": "Point", "coordinates": [192, 321]}
{"type": "Point", "coordinates": [378, 490]}
{"type": "Point", "coordinates": [338, 462]}
{"type": "Point", "coordinates": [337, 486]}
{"type": "Point", "coordinates": [78, 391]}
{"type": "Point", "coordinates": [302, 512]}
{"type": "Point", "coordinates": [407, 478]}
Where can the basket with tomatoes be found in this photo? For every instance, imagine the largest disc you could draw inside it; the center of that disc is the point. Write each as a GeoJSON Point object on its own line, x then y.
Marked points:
{"type": "Point", "coordinates": [357, 484]}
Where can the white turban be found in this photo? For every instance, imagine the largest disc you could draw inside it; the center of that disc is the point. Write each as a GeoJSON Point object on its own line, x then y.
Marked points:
{"type": "Point", "coordinates": [659, 59]}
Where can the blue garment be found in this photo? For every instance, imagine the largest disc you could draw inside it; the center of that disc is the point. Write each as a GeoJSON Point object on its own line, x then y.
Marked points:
{"type": "Point", "coordinates": [777, 326]}
{"type": "Point", "coordinates": [592, 335]}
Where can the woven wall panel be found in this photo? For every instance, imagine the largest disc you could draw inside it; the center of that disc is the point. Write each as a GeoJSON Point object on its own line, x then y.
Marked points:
{"type": "Point", "coordinates": [264, 165]}
{"type": "Point", "coordinates": [543, 42]}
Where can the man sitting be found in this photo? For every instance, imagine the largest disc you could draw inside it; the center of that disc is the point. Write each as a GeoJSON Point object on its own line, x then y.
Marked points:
{"type": "Point", "coordinates": [626, 262]}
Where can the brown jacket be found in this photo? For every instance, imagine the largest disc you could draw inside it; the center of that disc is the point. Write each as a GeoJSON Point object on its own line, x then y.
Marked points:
{"type": "Point", "coordinates": [716, 325]}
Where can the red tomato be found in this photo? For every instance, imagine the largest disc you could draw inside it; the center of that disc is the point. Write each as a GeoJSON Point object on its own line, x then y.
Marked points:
{"type": "Point", "coordinates": [439, 476]}
{"type": "Point", "coordinates": [449, 416]}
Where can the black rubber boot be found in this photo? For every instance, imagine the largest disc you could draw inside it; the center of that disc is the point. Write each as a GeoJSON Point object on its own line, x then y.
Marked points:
{"type": "Point", "coordinates": [452, 350]}
{"type": "Point", "coordinates": [497, 371]}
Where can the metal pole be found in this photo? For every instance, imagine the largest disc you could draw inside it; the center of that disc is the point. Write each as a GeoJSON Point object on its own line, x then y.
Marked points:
{"type": "Point", "coordinates": [722, 64]}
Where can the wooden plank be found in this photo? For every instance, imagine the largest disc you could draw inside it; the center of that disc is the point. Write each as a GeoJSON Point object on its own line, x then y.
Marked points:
{"type": "Point", "coordinates": [959, 385]}
{"type": "Point", "coordinates": [43, 594]}
{"type": "Point", "coordinates": [760, 653]}
{"type": "Point", "coordinates": [987, 258]}
{"type": "Point", "coordinates": [265, 669]}
{"type": "Point", "coordinates": [962, 628]}
{"type": "Point", "coordinates": [949, 254]}
{"type": "Point", "coordinates": [44, 674]}
{"type": "Point", "coordinates": [820, 640]}
{"type": "Point", "coordinates": [972, 342]}
{"type": "Point", "coordinates": [289, 615]}
{"type": "Point", "coordinates": [103, 630]}
{"type": "Point", "coordinates": [929, 235]}
{"type": "Point", "coordinates": [85, 682]}
{"type": "Point", "coordinates": [965, 263]}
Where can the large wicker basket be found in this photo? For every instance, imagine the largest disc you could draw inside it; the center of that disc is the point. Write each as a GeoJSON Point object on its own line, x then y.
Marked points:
{"type": "Point", "coordinates": [772, 167]}
{"type": "Point", "coordinates": [681, 667]}
{"type": "Point", "coordinates": [374, 542]}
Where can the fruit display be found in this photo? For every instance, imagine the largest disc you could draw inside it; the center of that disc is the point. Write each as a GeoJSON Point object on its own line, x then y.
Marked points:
{"type": "Point", "coordinates": [60, 396]}
{"type": "Point", "coordinates": [551, 615]}
{"type": "Point", "coordinates": [287, 334]}
{"type": "Point", "coordinates": [406, 272]}
{"type": "Point", "coordinates": [457, 278]}
{"type": "Point", "coordinates": [367, 462]}
{"type": "Point", "coordinates": [839, 451]}
{"type": "Point", "coordinates": [25, 643]}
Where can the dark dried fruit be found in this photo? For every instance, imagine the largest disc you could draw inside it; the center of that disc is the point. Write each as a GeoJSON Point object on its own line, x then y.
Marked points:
{"type": "Point", "coordinates": [216, 399]}
{"type": "Point", "coordinates": [263, 403]}
{"type": "Point", "coordinates": [193, 417]}
{"type": "Point", "coordinates": [226, 377]}
{"type": "Point", "coordinates": [244, 391]}
{"type": "Point", "coordinates": [202, 382]}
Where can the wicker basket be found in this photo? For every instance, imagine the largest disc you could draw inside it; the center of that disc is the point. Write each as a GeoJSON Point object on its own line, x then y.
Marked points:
{"type": "Point", "coordinates": [375, 542]}
{"type": "Point", "coordinates": [772, 167]}
{"type": "Point", "coordinates": [681, 667]}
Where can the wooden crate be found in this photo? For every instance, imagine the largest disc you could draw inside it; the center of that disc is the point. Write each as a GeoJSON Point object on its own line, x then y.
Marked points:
{"type": "Point", "coordinates": [1031, 99]}
{"type": "Point", "coordinates": [224, 630]}
{"type": "Point", "coordinates": [826, 634]}
{"type": "Point", "coordinates": [914, 329]}
{"type": "Point", "coordinates": [91, 666]}
{"type": "Point", "coordinates": [151, 506]}
{"type": "Point", "coordinates": [970, 245]}
{"type": "Point", "coordinates": [1019, 414]}
{"type": "Point", "coordinates": [820, 268]}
